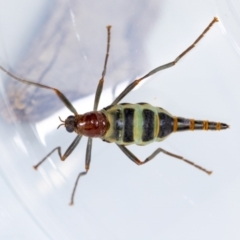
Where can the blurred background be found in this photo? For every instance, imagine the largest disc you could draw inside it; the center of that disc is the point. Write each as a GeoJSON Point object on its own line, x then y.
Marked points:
{"type": "Point", "coordinates": [62, 44]}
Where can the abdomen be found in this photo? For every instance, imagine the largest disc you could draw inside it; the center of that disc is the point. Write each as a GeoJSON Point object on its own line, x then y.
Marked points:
{"type": "Point", "coordinates": [138, 124]}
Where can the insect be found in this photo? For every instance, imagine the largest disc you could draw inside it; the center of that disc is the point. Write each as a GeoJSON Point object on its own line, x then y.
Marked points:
{"type": "Point", "coordinates": [125, 123]}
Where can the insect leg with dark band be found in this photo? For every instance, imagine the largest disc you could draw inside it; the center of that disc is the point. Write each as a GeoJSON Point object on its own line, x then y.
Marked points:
{"type": "Point", "coordinates": [65, 155]}
{"type": "Point", "coordinates": [156, 152]}
{"type": "Point", "coordinates": [58, 93]}
{"type": "Point", "coordinates": [66, 103]}
{"type": "Point", "coordinates": [96, 101]}
{"type": "Point", "coordinates": [165, 66]}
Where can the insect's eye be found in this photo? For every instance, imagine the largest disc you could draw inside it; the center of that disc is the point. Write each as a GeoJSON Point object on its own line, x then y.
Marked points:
{"type": "Point", "coordinates": [69, 123]}
{"type": "Point", "coordinates": [69, 128]}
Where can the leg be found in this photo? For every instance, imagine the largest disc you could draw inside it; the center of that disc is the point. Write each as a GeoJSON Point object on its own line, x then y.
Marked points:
{"type": "Point", "coordinates": [133, 84]}
{"type": "Point", "coordinates": [65, 155]}
{"type": "Point", "coordinates": [157, 151]}
{"type": "Point", "coordinates": [101, 81]}
{"type": "Point", "coordinates": [59, 94]}
{"type": "Point", "coordinates": [87, 164]}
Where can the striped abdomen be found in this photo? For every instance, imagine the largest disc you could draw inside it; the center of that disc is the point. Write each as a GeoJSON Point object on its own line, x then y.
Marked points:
{"type": "Point", "coordinates": [142, 124]}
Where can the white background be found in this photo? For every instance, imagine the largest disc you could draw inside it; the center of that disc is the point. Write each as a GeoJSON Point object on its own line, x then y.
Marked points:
{"type": "Point", "coordinates": [164, 199]}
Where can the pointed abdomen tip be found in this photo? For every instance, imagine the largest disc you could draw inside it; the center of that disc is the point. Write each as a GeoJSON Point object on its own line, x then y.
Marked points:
{"type": "Point", "coordinates": [224, 126]}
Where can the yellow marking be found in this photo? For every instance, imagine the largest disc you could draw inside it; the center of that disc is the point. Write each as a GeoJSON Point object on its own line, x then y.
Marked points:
{"type": "Point", "coordinates": [218, 127]}
{"type": "Point", "coordinates": [205, 125]}
{"type": "Point", "coordinates": [175, 124]}
{"type": "Point", "coordinates": [192, 124]}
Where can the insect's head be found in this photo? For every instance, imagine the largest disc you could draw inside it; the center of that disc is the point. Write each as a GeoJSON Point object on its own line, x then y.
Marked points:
{"type": "Point", "coordinates": [69, 123]}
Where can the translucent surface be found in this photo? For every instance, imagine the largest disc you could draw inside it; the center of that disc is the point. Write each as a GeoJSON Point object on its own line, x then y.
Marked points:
{"type": "Point", "coordinates": [165, 199]}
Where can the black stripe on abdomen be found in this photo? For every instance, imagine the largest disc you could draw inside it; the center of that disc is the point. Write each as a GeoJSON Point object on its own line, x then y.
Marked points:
{"type": "Point", "coordinates": [166, 125]}
{"type": "Point", "coordinates": [148, 125]}
{"type": "Point", "coordinates": [128, 125]}
{"type": "Point", "coordinates": [183, 124]}
{"type": "Point", "coordinates": [118, 124]}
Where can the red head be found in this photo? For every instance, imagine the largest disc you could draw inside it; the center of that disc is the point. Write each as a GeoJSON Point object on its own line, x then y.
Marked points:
{"type": "Point", "coordinates": [91, 124]}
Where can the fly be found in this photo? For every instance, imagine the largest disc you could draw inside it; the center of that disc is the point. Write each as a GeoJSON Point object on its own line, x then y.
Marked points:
{"type": "Point", "coordinates": [125, 123]}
